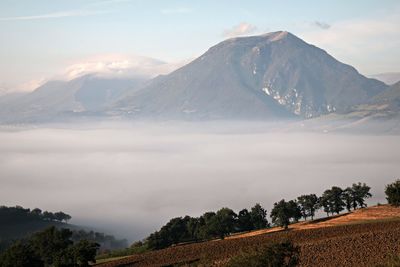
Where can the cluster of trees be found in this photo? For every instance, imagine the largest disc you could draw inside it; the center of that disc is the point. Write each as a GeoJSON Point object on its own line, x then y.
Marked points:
{"type": "Point", "coordinates": [209, 225]}
{"type": "Point", "coordinates": [18, 214]}
{"type": "Point", "coordinates": [225, 221]}
{"type": "Point", "coordinates": [51, 247]}
{"type": "Point", "coordinates": [107, 242]}
{"type": "Point", "coordinates": [18, 223]}
{"type": "Point", "coordinates": [332, 201]}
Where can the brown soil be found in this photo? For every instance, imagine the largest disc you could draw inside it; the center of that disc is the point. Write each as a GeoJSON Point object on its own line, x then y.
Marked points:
{"type": "Point", "coordinates": [381, 212]}
{"type": "Point", "coordinates": [366, 237]}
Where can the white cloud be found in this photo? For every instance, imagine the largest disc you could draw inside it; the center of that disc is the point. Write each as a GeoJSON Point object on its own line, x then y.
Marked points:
{"type": "Point", "coordinates": [87, 10]}
{"type": "Point", "coordinates": [119, 65]}
{"type": "Point", "coordinates": [371, 45]}
{"type": "Point", "coordinates": [241, 29]}
{"type": "Point", "coordinates": [105, 65]}
{"type": "Point", "coordinates": [177, 10]}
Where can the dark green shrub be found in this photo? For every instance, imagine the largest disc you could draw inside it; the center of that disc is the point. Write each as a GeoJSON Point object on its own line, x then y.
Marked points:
{"type": "Point", "coordinates": [277, 255]}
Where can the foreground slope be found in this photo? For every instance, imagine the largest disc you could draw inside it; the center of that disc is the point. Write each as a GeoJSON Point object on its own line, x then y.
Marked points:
{"type": "Point", "coordinates": [363, 238]}
{"type": "Point", "coordinates": [260, 77]}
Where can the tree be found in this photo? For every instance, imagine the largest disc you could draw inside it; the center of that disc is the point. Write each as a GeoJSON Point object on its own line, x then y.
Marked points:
{"type": "Point", "coordinates": [20, 254]}
{"type": "Point", "coordinates": [258, 217]}
{"type": "Point", "coordinates": [308, 205]}
{"type": "Point", "coordinates": [193, 227]}
{"type": "Point", "coordinates": [223, 222]}
{"type": "Point", "coordinates": [36, 212]}
{"type": "Point", "coordinates": [48, 216]}
{"type": "Point", "coordinates": [360, 193]}
{"type": "Point", "coordinates": [244, 222]}
{"type": "Point", "coordinates": [325, 202]}
{"type": "Point", "coordinates": [61, 216]}
{"type": "Point", "coordinates": [175, 230]}
{"type": "Point", "coordinates": [205, 220]}
{"type": "Point", "coordinates": [295, 212]}
{"type": "Point", "coordinates": [84, 252]}
{"type": "Point", "coordinates": [355, 196]}
{"type": "Point", "coordinates": [281, 214]}
{"type": "Point", "coordinates": [336, 199]}
{"type": "Point", "coordinates": [392, 192]}
{"type": "Point", "coordinates": [332, 200]}
{"type": "Point", "coordinates": [348, 198]}
{"type": "Point", "coordinates": [51, 243]}
{"type": "Point", "coordinates": [155, 241]}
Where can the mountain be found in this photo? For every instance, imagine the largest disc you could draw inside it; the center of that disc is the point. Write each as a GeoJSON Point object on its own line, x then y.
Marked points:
{"type": "Point", "coordinates": [380, 115]}
{"type": "Point", "coordinates": [384, 105]}
{"type": "Point", "coordinates": [267, 77]}
{"type": "Point", "coordinates": [57, 100]}
{"type": "Point", "coordinates": [389, 78]}
{"type": "Point", "coordinates": [260, 77]}
{"type": "Point", "coordinates": [390, 96]}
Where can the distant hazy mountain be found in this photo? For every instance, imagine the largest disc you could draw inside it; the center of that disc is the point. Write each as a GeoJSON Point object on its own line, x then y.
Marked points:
{"type": "Point", "coordinates": [268, 76]}
{"type": "Point", "coordinates": [390, 96]}
{"type": "Point", "coordinates": [384, 105]}
{"type": "Point", "coordinates": [389, 78]}
{"type": "Point", "coordinates": [55, 100]}
{"type": "Point", "coordinates": [380, 115]}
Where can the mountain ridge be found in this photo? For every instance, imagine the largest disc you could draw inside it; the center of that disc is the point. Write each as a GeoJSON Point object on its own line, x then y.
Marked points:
{"type": "Point", "coordinates": [272, 76]}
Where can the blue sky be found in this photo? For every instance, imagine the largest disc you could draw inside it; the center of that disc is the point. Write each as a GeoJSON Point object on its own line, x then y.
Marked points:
{"type": "Point", "coordinates": [41, 39]}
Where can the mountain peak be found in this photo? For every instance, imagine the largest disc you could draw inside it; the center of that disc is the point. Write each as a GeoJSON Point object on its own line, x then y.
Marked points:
{"type": "Point", "coordinates": [276, 36]}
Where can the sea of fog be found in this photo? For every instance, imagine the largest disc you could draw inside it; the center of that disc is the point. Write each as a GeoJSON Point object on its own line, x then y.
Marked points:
{"type": "Point", "coordinates": [130, 179]}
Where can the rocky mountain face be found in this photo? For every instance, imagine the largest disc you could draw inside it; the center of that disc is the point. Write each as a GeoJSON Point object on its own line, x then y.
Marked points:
{"type": "Point", "coordinates": [268, 76]}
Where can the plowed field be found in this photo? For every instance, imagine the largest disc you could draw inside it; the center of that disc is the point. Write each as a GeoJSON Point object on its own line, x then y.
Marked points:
{"type": "Point", "coordinates": [363, 238]}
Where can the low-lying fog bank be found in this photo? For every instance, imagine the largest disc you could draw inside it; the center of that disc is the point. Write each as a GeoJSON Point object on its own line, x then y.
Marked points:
{"type": "Point", "coordinates": [130, 179]}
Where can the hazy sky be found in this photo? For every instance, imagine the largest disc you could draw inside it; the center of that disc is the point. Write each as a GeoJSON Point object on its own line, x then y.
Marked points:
{"type": "Point", "coordinates": [43, 38]}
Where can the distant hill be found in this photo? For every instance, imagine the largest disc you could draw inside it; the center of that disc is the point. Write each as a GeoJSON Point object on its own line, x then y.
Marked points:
{"type": "Point", "coordinates": [18, 223]}
{"type": "Point", "coordinates": [276, 75]}
{"type": "Point", "coordinates": [389, 78]}
{"type": "Point", "coordinates": [56, 101]}
{"type": "Point", "coordinates": [390, 96]}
